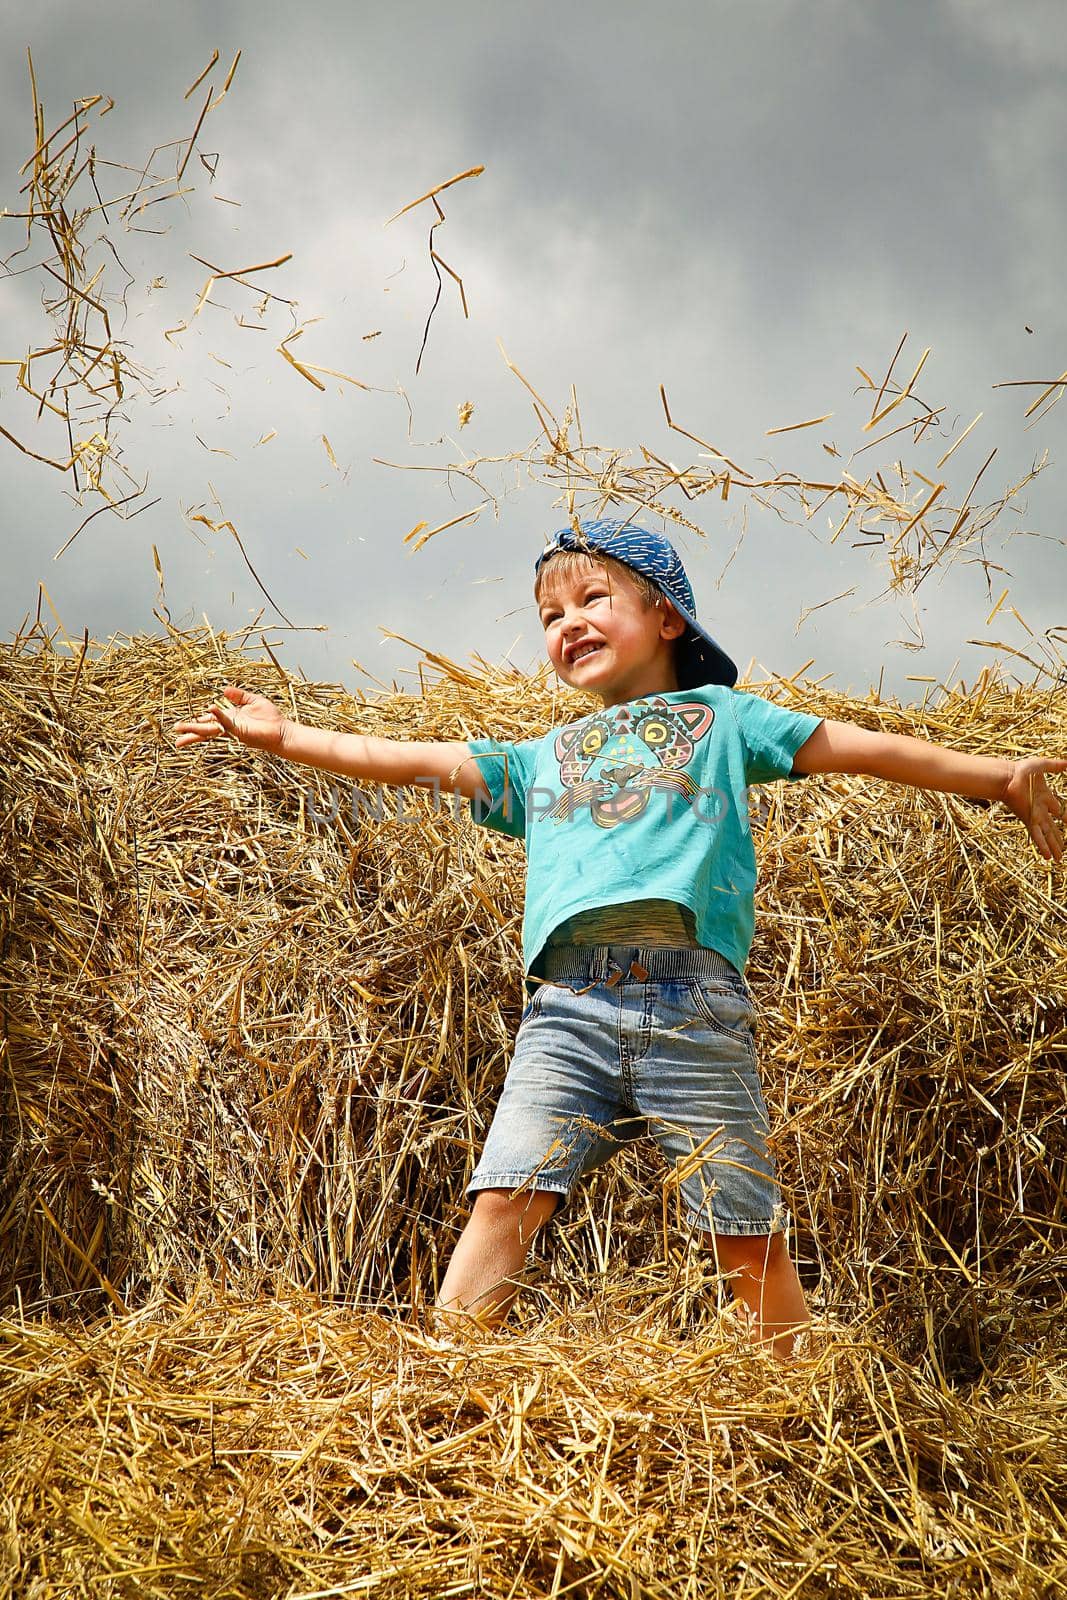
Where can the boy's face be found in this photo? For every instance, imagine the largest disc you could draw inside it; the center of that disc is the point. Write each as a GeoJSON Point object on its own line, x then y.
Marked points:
{"type": "Point", "coordinates": [602, 635]}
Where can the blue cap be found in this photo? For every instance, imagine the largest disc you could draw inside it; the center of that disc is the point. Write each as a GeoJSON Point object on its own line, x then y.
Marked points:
{"type": "Point", "coordinates": [699, 659]}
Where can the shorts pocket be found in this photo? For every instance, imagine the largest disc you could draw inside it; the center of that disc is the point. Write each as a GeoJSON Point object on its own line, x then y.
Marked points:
{"type": "Point", "coordinates": [725, 1009]}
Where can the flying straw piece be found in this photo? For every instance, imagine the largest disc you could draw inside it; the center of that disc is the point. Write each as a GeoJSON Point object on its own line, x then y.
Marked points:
{"type": "Point", "coordinates": [198, 81]}
{"type": "Point", "coordinates": [1019, 655]}
{"type": "Point", "coordinates": [226, 526]}
{"type": "Point", "coordinates": [237, 275]}
{"type": "Point", "coordinates": [224, 91]}
{"type": "Point", "coordinates": [193, 138]}
{"type": "Point", "coordinates": [243, 272]}
{"type": "Point", "coordinates": [467, 516]}
{"type": "Point", "coordinates": [918, 517]}
{"type": "Point", "coordinates": [214, 449]}
{"type": "Point", "coordinates": [109, 505]}
{"type": "Point", "coordinates": [293, 362]}
{"type": "Point", "coordinates": [958, 524]}
{"type": "Point", "coordinates": [431, 194]}
{"type": "Point", "coordinates": [60, 466]}
{"type": "Point", "coordinates": [527, 385]}
{"type": "Point", "coordinates": [1042, 397]}
{"type": "Point", "coordinates": [81, 109]}
{"type": "Point", "coordinates": [997, 607]}
{"type": "Point", "coordinates": [904, 394]}
{"type": "Point", "coordinates": [919, 425]}
{"type": "Point", "coordinates": [42, 591]}
{"type": "Point", "coordinates": [342, 376]}
{"type": "Point", "coordinates": [955, 446]}
{"type": "Point", "coordinates": [437, 262]}
{"type": "Point", "coordinates": [794, 427]}
{"type": "Point", "coordinates": [808, 610]}
{"type": "Point", "coordinates": [1045, 384]}
{"type": "Point", "coordinates": [710, 448]}
{"type": "Point", "coordinates": [885, 380]}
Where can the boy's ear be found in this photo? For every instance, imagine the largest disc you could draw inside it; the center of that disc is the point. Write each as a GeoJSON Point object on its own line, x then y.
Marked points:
{"type": "Point", "coordinates": [673, 626]}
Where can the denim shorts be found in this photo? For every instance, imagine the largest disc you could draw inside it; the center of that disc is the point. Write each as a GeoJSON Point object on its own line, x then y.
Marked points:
{"type": "Point", "coordinates": [621, 1042]}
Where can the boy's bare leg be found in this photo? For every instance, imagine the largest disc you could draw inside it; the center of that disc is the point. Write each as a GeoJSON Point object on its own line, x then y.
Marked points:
{"type": "Point", "coordinates": [491, 1252]}
{"type": "Point", "coordinates": [763, 1278]}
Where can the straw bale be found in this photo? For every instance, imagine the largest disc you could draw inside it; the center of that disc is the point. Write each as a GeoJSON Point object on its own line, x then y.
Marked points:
{"type": "Point", "coordinates": [230, 1028]}
{"type": "Point", "coordinates": [252, 1038]}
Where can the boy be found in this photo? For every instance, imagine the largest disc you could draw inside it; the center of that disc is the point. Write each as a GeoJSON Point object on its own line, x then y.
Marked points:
{"type": "Point", "coordinates": [639, 905]}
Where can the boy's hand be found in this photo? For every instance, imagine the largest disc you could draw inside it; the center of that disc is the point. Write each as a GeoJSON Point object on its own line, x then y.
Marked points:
{"type": "Point", "coordinates": [252, 718]}
{"type": "Point", "coordinates": [1037, 807]}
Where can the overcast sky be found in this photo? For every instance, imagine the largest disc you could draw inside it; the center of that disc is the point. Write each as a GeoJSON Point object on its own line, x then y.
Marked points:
{"type": "Point", "coordinates": [742, 201]}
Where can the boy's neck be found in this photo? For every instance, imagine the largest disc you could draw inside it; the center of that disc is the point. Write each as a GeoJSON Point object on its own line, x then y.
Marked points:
{"type": "Point", "coordinates": [658, 680]}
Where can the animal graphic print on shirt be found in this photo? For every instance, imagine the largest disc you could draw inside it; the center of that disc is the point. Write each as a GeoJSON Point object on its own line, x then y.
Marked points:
{"type": "Point", "coordinates": [613, 760]}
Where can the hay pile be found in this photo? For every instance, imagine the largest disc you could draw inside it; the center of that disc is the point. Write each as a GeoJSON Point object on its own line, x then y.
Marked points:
{"type": "Point", "coordinates": [251, 1055]}
{"type": "Point", "coordinates": [264, 1449]}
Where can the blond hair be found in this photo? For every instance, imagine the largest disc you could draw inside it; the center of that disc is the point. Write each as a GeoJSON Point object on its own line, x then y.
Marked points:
{"type": "Point", "coordinates": [564, 564]}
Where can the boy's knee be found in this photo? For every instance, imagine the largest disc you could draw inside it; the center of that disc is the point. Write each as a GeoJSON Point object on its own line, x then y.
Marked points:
{"type": "Point", "coordinates": [508, 1209]}
{"type": "Point", "coordinates": [754, 1253]}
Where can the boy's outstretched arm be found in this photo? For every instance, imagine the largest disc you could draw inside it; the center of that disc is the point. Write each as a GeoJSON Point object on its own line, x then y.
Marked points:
{"type": "Point", "coordinates": [1020, 785]}
{"type": "Point", "coordinates": [258, 722]}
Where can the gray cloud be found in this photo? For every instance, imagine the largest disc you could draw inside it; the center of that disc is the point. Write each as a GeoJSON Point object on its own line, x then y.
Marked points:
{"type": "Point", "coordinates": [741, 202]}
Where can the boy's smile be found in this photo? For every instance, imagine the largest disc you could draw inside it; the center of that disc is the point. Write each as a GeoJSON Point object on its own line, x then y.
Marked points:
{"type": "Point", "coordinates": [602, 635]}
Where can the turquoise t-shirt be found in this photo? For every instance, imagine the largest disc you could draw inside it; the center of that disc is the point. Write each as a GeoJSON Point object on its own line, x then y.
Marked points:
{"type": "Point", "coordinates": [646, 800]}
